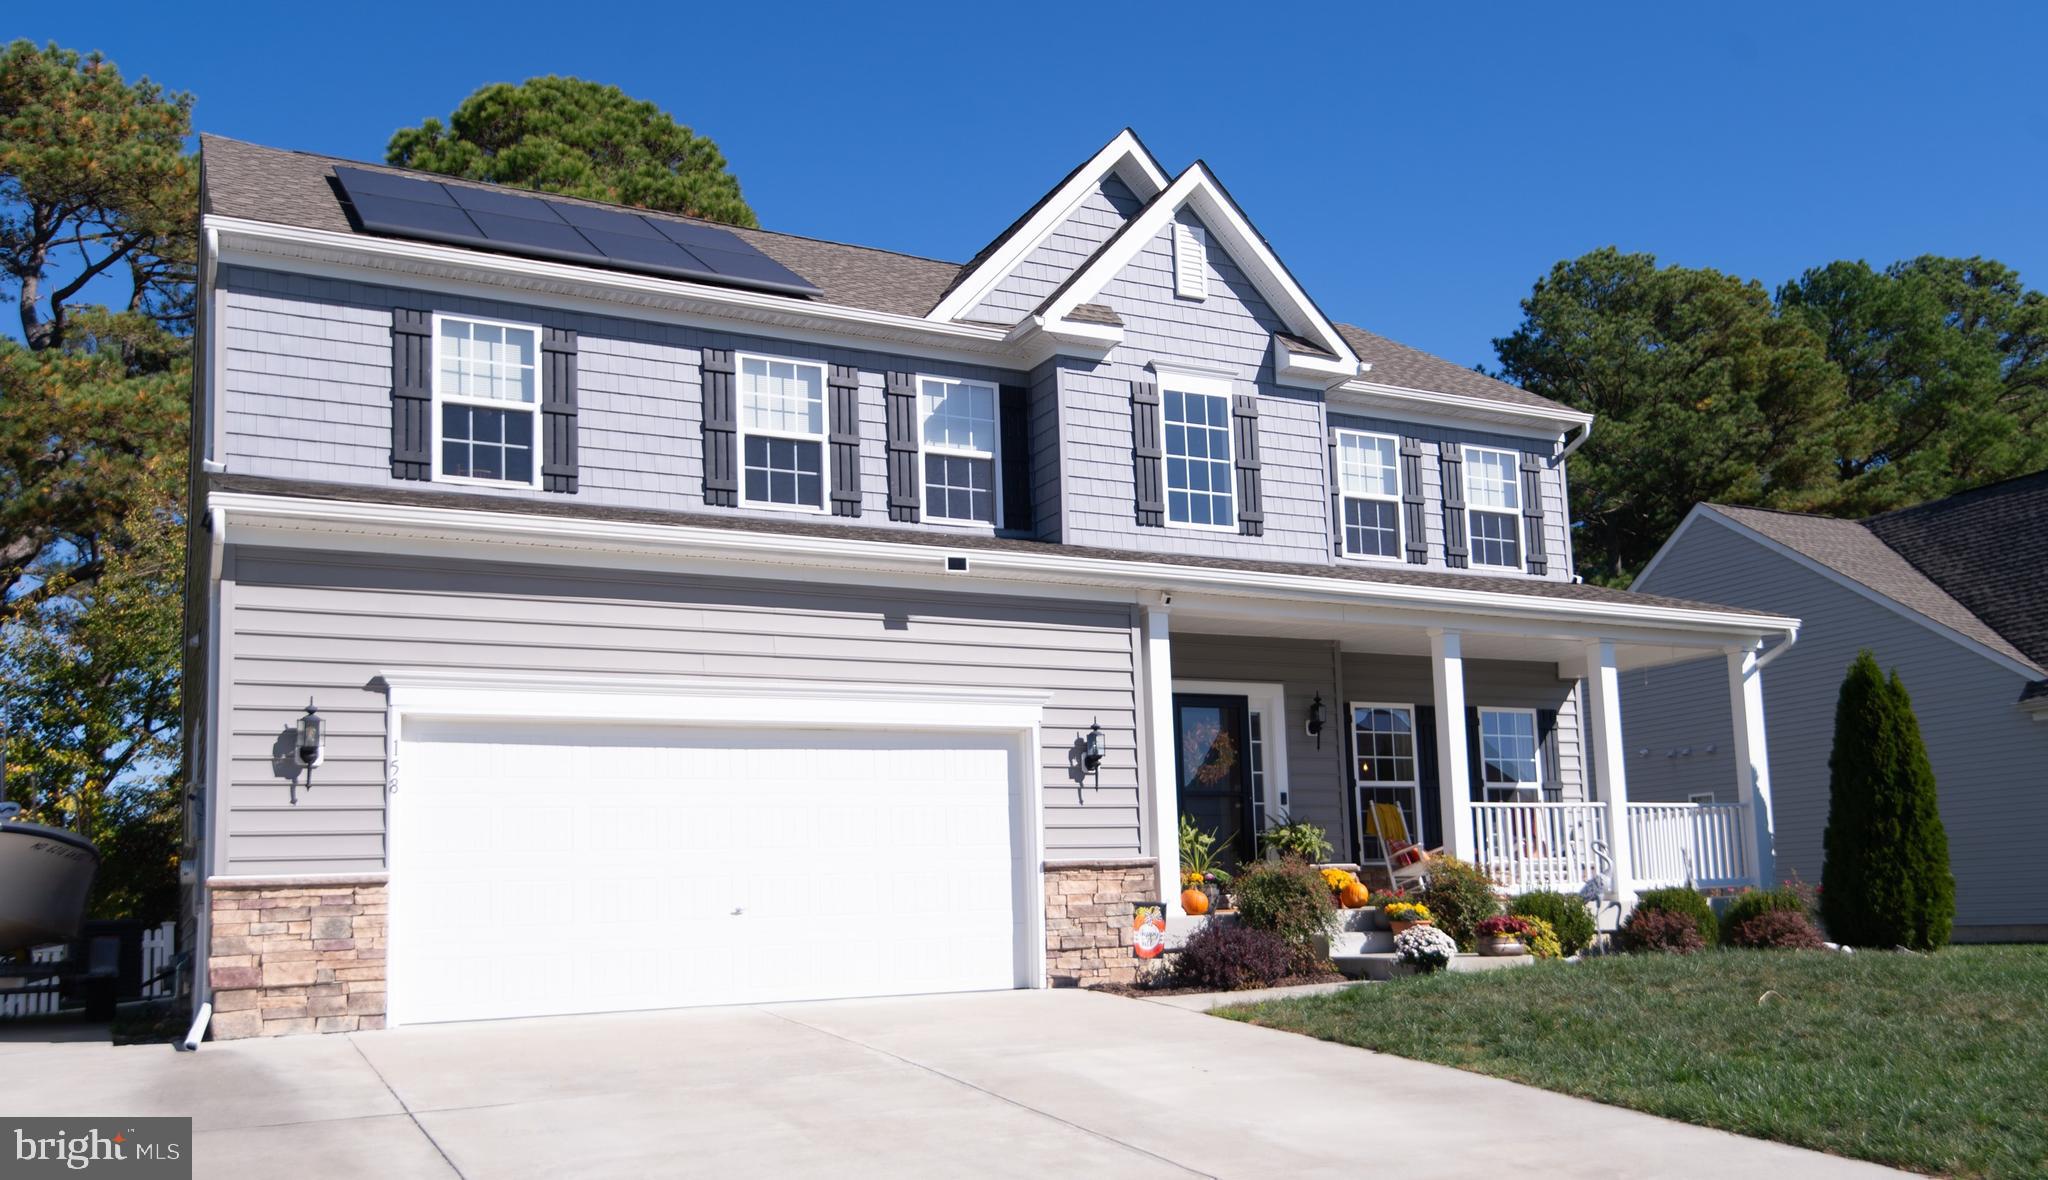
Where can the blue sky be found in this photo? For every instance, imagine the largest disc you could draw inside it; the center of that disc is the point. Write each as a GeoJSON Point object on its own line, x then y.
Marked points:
{"type": "Point", "coordinates": [1418, 166]}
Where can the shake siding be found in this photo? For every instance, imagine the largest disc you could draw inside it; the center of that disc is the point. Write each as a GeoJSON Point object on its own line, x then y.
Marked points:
{"type": "Point", "coordinates": [1306, 667]}
{"type": "Point", "coordinates": [1990, 760]}
{"type": "Point", "coordinates": [325, 625]}
{"type": "Point", "coordinates": [306, 390]}
{"type": "Point", "coordinates": [1517, 684]}
{"type": "Point", "coordinates": [1230, 331]}
{"type": "Point", "coordinates": [1556, 510]}
{"type": "Point", "coordinates": [1098, 216]}
{"type": "Point", "coordinates": [1047, 450]}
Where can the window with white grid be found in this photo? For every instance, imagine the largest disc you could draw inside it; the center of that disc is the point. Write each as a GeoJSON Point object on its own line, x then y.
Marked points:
{"type": "Point", "coordinates": [1200, 476]}
{"type": "Point", "coordinates": [1383, 768]}
{"type": "Point", "coordinates": [1510, 766]}
{"type": "Point", "coordinates": [486, 398]}
{"type": "Point", "coordinates": [782, 431]}
{"type": "Point", "coordinates": [959, 440]}
{"type": "Point", "coordinates": [1493, 506]}
{"type": "Point", "coordinates": [1369, 480]}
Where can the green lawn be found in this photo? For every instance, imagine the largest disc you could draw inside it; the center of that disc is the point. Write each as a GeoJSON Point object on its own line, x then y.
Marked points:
{"type": "Point", "coordinates": [1935, 1062]}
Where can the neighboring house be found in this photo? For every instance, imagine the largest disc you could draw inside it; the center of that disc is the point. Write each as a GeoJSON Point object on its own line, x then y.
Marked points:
{"type": "Point", "coordinates": [1952, 595]}
{"type": "Point", "coordinates": [703, 615]}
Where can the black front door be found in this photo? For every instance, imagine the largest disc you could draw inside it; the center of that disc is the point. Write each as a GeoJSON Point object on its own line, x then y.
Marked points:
{"type": "Point", "coordinates": [1212, 751]}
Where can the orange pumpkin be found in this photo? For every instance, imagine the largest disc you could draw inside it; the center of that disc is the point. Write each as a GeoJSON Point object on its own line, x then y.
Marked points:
{"type": "Point", "coordinates": [1194, 901]}
{"type": "Point", "coordinates": [1354, 896]}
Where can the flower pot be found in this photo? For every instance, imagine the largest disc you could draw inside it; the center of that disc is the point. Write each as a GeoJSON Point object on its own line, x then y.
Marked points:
{"type": "Point", "coordinates": [1500, 947]}
{"type": "Point", "coordinates": [1397, 926]}
{"type": "Point", "coordinates": [1218, 899]}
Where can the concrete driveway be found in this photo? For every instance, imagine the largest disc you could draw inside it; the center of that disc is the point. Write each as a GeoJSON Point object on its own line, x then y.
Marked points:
{"type": "Point", "coordinates": [998, 1084]}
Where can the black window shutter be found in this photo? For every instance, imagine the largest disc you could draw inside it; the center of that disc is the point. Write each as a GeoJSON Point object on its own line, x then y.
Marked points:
{"type": "Point", "coordinates": [1427, 779]}
{"type": "Point", "coordinates": [1145, 450]}
{"type": "Point", "coordinates": [1532, 512]}
{"type": "Point", "coordinates": [842, 389]}
{"type": "Point", "coordinates": [904, 482]}
{"type": "Point", "coordinates": [1014, 416]}
{"type": "Point", "coordinates": [558, 410]}
{"type": "Point", "coordinates": [412, 394]}
{"type": "Point", "coordinates": [1451, 463]}
{"type": "Point", "coordinates": [1336, 502]}
{"type": "Point", "coordinates": [1472, 755]}
{"type": "Point", "coordinates": [1251, 506]}
{"type": "Point", "coordinates": [1415, 524]}
{"type": "Point", "coordinates": [721, 463]}
{"type": "Point", "coordinates": [1546, 748]}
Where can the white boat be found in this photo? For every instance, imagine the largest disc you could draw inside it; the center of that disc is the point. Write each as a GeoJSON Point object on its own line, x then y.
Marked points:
{"type": "Point", "coordinates": [45, 878]}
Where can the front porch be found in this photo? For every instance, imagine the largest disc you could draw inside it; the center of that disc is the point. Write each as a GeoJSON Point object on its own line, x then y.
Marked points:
{"type": "Point", "coordinates": [1496, 740]}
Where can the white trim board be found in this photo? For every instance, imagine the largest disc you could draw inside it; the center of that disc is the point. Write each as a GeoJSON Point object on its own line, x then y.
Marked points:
{"type": "Point", "coordinates": [418, 694]}
{"type": "Point", "coordinates": [1706, 512]}
{"type": "Point", "coordinates": [1124, 156]}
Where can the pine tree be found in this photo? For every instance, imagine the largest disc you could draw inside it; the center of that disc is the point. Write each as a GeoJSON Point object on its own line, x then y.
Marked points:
{"type": "Point", "coordinates": [1886, 880]}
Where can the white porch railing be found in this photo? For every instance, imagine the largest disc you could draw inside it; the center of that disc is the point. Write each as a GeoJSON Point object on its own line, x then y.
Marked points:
{"type": "Point", "coordinates": [1524, 846]}
{"type": "Point", "coordinates": [1699, 844]}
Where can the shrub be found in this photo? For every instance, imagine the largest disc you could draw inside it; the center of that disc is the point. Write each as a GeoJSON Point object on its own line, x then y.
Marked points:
{"type": "Point", "coordinates": [1660, 930]}
{"type": "Point", "coordinates": [1225, 956]}
{"type": "Point", "coordinates": [1789, 930]}
{"type": "Point", "coordinates": [1759, 901]}
{"type": "Point", "coordinates": [1296, 838]}
{"type": "Point", "coordinates": [1288, 898]}
{"type": "Point", "coordinates": [1691, 902]}
{"type": "Point", "coordinates": [1885, 880]}
{"type": "Point", "coordinates": [1541, 939]}
{"type": "Point", "coordinates": [1571, 923]}
{"type": "Point", "coordinates": [1504, 926]}
{"type": "Point", "coordinates": [1460, 896]}
{"type": "Point", "coordinates": [1425, 947]}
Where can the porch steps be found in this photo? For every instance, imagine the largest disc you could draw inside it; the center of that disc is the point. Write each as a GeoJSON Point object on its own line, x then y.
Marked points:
{"type": "Point", "coordinates": [1383, 965]}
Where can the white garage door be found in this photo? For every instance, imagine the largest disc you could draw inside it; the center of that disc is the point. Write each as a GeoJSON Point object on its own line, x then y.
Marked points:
{"type": "Point", "coordinates": [540, 869]}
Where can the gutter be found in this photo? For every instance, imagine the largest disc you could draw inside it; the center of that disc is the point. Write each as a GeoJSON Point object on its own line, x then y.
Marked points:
{"type": "Point", "coordinates": [866, 553]}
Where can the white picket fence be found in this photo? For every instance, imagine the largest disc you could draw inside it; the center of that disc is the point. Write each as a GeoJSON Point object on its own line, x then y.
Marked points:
{"type": "Point", "coordinates": [159, 947]}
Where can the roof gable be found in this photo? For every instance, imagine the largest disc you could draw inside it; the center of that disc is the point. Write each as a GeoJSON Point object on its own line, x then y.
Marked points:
{"type": "Point", "coordinates": [1124, 157]}
{"type": "Point", "coordinates": [1197, 190]}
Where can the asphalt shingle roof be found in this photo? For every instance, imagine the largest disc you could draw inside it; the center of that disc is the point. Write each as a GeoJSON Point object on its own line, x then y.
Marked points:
{"type": "Point", "coordinates": [1851, 548]}
{"type": "Point", "coordinates": [297, 188]}
{"type": "Point", "coordinates": [1989, 549]}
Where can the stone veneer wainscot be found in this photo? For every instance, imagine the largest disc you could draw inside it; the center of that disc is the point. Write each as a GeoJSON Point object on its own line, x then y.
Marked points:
{"type": "Point", "coordinates": [304, 954]}
{"type": "Point", "coordinates": [1088, 905]}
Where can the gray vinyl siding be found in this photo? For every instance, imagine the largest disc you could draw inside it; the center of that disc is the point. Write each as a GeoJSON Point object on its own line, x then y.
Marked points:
{"type": "Point", "coordinates": [306, 391]}
{"type": "Point", "coordinates": [1305, 667]}
{"type": "Point", "coordinates": [1990, 760]}
{"type": "Point", "coordinates": [1507, 684]}
{"type": "Point", "coordinates": [323, 626]}
{"type": "Point", "coordinates": [1556, 512]}
{"type": "Point", "coordinates": [1071, 243]}
{"type": "Point", "coordinates": [1231, 331]}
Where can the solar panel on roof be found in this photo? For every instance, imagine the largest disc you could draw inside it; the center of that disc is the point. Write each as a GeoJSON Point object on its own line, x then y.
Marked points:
{"type": "Point", "coordinates": [515, 223]}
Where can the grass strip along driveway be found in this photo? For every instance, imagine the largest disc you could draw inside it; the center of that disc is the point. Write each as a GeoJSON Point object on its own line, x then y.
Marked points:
{"type": "Point", "coordinates": [1934, 1062]}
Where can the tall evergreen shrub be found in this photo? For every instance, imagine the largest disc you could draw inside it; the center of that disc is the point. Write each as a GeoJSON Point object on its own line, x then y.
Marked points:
{"type": "Point", "coordinates": [1886, 881]}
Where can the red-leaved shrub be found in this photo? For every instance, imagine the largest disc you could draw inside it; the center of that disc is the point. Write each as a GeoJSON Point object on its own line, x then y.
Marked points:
{"type": "Point", "coordinates": [1661, 930]}
{"type": "Point", "coordinates": [1776, 929]}
{"type": "Point", "coordinates": [1225, 956]}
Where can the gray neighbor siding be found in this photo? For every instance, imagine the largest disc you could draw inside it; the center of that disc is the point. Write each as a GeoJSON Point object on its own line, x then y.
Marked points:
{"type": "Point", "coordinates": [301, 624]}
{"type": "Point", "coordinates": [1990, 760]}
{"type": "Point", "coordinates": [306, 391]}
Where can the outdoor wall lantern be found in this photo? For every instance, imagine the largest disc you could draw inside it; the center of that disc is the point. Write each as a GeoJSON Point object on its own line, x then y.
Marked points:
{"type": "Point", "coordinates": [1091, 753]}
{"type": "Point", "coordinates": [311, 747]}
{"type": "Point", "coordinates": [1317, 715]}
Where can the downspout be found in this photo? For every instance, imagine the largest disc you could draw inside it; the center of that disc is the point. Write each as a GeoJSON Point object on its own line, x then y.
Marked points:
{"type": "Point", "coordinates": [1577, 440]}
{"type": "Point", "coordinates": [1791, 637]}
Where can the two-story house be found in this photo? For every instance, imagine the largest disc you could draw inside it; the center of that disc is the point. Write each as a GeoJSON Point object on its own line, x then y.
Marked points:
{"type": "Point", "coordinates": [677, 614]}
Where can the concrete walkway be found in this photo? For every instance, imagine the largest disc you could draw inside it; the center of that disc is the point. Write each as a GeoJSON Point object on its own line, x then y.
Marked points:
{"type": "Point", "coordinates": [998, 1084]}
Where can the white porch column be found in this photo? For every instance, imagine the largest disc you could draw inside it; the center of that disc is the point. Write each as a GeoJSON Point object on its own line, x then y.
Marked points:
{"type": "Point", "coordinates": [1752, 760]}
{"type": "Point", "coordinates": [1157, 734]}
{"type": "Point", "coordinates": [1454, 764]}
{"type": "Point", "coordinates": [1610, 761]}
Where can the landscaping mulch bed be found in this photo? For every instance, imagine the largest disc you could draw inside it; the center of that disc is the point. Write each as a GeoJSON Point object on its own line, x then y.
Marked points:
{"type": "Point", "coordinates": [1168, 989]}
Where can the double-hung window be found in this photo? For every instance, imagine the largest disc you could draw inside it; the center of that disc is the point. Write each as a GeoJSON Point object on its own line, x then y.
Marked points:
{"type": "Point", "coordinates": [1200, 474]}
{"type": "Point", "coordinates": [1509, 767]}
{"type": "Point", "coordinates": [782, 433]}
{"type": "Point", "coordinates": [1493, 506]}
{"type": "Point", "coordinates": [1383, 741]}
{"type": "Point", "coordinates": [958, 433]}
{"type": "Point", "coordinates": [1369, 482]}
{"type": "Point", "coordinates": [486, 400]}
